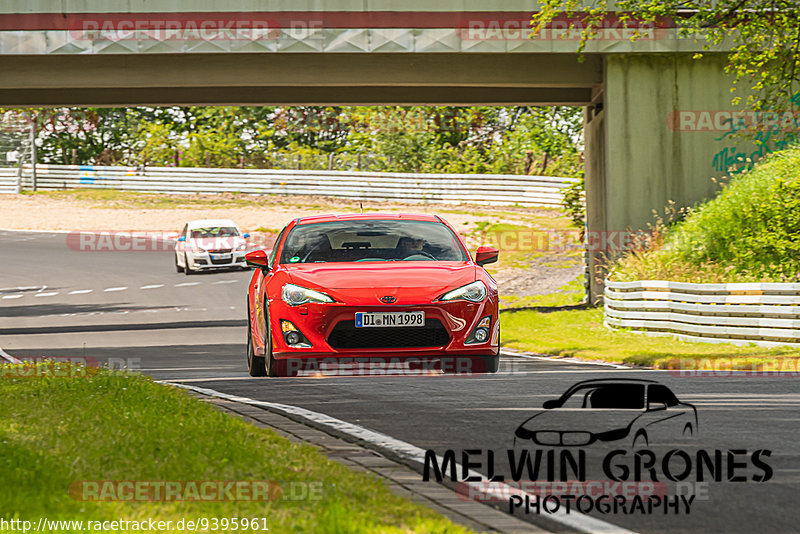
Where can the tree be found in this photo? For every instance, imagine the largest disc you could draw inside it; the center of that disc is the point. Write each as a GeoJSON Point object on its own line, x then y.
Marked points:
{"type": "Point", "coordinates": [764, 36]}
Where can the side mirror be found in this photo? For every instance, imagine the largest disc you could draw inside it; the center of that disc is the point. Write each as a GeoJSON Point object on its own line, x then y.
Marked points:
{"type": "Point", "coordinates": [182, 238]}
{"type": "Point", "coordinates": [656, 406]}
{"type": "Point", "coordinates": [486, 255]}
{"type": "Point", "coordinates": [257, 258]}
{"type": "Point", "coordinates": [246, 235]}
{"type": "Point", "coordinates": [549, 405]}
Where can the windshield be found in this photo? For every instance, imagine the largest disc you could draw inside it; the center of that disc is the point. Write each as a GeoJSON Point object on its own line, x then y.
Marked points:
{"type": "Point", "coordinates": [214, 231]}
{"type": "Point", "coordinates": [372, 240]}
{"type": "Point", "coordinates": [607, 397]}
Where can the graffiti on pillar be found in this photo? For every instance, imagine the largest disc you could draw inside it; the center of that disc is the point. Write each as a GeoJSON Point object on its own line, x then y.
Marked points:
{"type": "Point", "coordinates": [774, 132]}
{"type": "Point", "coordinates": [767, 132]}
{"type": "Point", "coordinates": [732, 160]}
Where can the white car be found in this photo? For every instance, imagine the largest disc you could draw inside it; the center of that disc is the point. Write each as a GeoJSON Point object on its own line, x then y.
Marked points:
{"type": "Point", "coordinates": [210, 244]}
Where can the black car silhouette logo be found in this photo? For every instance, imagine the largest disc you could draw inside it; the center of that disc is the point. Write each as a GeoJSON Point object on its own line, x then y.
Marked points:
{"type": "Point", "coordinates": [642, 411]}
{"type": "Point", "coordinates": [388, 299]}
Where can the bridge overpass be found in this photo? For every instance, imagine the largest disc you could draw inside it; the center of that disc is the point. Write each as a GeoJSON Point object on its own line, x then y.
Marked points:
{"type": "Point", "coordinates": [657, 122]}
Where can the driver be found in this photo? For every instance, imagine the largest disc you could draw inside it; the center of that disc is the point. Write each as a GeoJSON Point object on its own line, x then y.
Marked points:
{"type": "Point", "coordinates": [409, 246]}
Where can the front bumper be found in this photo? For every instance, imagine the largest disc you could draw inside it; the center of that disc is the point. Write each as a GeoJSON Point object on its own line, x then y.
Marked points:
{"type": "Point", "coordinates": [204, 260]}
{"type": "Point", "coordinates": [329, 330]}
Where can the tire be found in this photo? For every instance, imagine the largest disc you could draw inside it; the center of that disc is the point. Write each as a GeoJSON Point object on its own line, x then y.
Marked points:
{"type": "Point", "coordinates": [178, 268]}
{"type": "Point", "coordinates": [255, 364]}
{"type": "Point", "coordinates": [640, 436]}
{"type": "Point", "coordinates": [271, 368]}
{"type": "Point", "coordinates": [470, 365]}
{"type": "Point", "coordinates": [492, 363]}
{"type": "Point", "coordinates": [186, 269]}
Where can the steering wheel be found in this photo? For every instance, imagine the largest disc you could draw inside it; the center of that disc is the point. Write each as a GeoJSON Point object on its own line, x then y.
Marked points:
{"type": "Point", "coordinates": [312, 249]}
{"type": "Point", "coordinates": [420, 253]}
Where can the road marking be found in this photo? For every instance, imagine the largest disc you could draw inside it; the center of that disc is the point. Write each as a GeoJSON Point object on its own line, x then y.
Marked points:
{"type": "Point", "coordinates": [497, 490]}
{"type": "Point", "coordinates": [224, 282]}
{"type": "Point", "coordinates": [121, 288]}
{"type": "Point", "coordinates": [185, 284]}
{"type": "Point", "coordinates": [564, 360]}
{"type": "Point", "coordinates": [12, 296]}
{"type": "Point", "coordinates": [152, 286]}
{"type": "Point", "coordinates": [49, 294]}
{"type": "Point", "coordinates": [80, 292]}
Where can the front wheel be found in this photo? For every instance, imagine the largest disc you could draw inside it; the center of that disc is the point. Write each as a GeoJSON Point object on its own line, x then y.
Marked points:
{"type": "Point", "coordinates": [186, 268]}
{"type": "Point", "coordinates": [470, 365]}
{"type": "Point", "coordinates": [255, 364]}
{"type": "Point", "coordinates": [178, 268]}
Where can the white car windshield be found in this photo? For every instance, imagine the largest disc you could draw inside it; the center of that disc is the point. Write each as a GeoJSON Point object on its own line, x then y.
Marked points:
{"type": "Point", "coordinates": [214, 231]}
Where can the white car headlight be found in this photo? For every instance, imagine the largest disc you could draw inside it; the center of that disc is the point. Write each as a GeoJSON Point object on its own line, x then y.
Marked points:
{"type": "Point", "coordinates": [242, 246]}
{"type": "Point", "coordinates": [296, 295]}
{"type": "Point", "coordinates": [474, 292]}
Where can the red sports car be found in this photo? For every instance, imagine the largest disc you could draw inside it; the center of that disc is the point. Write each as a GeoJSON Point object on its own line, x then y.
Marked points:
{"type": "Point", "coordinates": [356, 289]}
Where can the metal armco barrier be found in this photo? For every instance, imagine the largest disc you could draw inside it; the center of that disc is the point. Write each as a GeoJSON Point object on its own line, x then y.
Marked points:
{"type": "Point", "coordinates": [761, 313]}
{"type": "Point", "coordinates": [8, 180]}
{"type": "Point", "coordinates": [494, 189]}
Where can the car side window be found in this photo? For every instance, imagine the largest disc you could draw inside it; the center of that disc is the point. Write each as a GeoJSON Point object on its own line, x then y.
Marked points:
{"type": "Point", "coordinates": [275, 246]}
{"type": "Point", "coordinates": [659, 393]}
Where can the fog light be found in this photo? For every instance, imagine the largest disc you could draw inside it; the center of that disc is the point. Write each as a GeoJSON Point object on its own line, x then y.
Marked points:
{"type": "Point", "coordinates": [293, 337]}
{"type": "Point", "coordinates": [482, 331]}
{"type": "Point", "coordinates": [481, 335]}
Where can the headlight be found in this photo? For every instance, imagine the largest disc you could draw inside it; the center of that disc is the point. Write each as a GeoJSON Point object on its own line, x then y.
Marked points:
{"type": "Point", "coordinates": [243, 246]}
{"type": "Point", "coordinates": [296, 295]}
{"type": "Point", "coordinates": [474, 292]}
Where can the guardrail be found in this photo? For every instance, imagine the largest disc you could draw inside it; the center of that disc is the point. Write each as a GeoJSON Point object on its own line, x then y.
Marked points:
{"type": "Point", "coordinates": [762, 313]}
{"type": "Point", "coordinates": [8, 180]}
{"type": "Point", "coordinates": [495, 189]}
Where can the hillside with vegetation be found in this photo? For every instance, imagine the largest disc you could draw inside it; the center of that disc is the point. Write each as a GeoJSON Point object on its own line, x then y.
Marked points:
{"type": "Point", "coordinates": [750, 232]}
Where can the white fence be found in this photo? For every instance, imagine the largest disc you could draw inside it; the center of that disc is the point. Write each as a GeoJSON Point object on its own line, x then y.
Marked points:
{"type": "Point", "coordinates": [761, 313]}
{"type": "Point", "coordinates": [495, 189]}
{"type": "Point", "coordinates": [8, 179]}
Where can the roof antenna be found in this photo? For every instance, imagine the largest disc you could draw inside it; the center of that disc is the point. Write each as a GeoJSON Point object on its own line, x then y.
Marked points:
{"type": "Point", "coordinates": [361, 205]}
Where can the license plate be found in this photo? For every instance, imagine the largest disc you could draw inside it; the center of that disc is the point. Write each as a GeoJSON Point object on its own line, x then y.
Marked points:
{"type": "Point", "coordinates": [389, 319]}
{"type": "Point", "coordinates": [220, 256]}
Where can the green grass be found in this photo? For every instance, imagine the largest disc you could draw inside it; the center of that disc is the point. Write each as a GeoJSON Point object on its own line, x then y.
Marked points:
{"type": "Point", "coordinates": [748, 233]}
{"type": "Point", "coordinates": [581, 334]}
{"type": "Point", "coordinates": [114, 426]}
{"type": "Point", "coordinates": [571, 294]}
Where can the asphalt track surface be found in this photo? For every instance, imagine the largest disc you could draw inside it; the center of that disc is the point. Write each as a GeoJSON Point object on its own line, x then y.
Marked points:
{"type": "Point", "coordinates": [133, 309]}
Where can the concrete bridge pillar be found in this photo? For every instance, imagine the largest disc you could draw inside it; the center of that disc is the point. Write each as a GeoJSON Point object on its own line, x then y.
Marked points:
{"type": "Point", "coordinates": [661, 130]}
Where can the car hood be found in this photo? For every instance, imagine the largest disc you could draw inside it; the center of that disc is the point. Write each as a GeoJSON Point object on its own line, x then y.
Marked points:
{"type": "Point", "coordinates": [428, 279]}
{"type": "Point", "coordinates": [579, 420]}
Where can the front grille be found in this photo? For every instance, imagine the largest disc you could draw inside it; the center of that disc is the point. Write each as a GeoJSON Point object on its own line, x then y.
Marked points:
{"type": "Point", "coordinates": [221, 251]}
{"type": "Point", "coordinates": [345, 335]}
{"type": "Point", "coordinates": [220, 262]}
{"type": "Point", "coordinates": [553, 439]}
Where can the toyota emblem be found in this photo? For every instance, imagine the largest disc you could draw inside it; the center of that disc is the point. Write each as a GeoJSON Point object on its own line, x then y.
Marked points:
{"type": "Point", "coordinates": [388, 299]}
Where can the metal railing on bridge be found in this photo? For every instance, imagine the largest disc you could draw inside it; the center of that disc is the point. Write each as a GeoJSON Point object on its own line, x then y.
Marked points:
{"type": "Point", "coordinates": [493, 189]}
